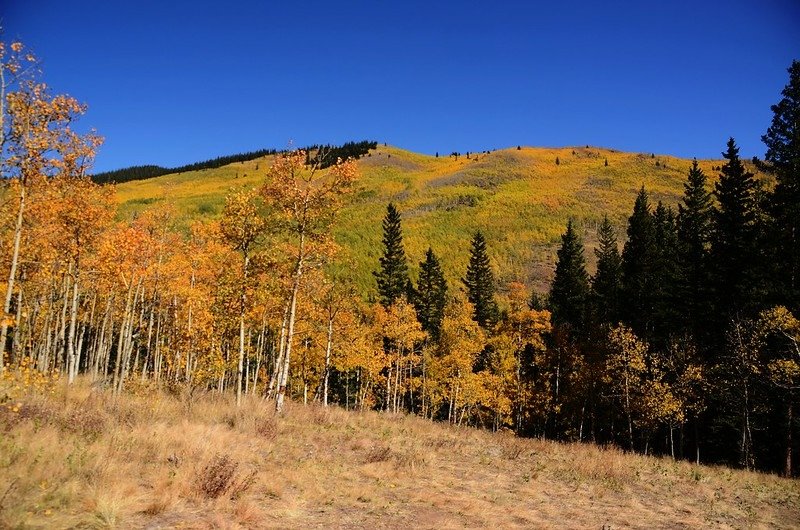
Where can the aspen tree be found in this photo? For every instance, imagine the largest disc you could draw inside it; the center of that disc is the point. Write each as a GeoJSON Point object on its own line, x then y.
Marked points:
{"type": "Point", "coordinates": [305, 200]}
{"type": "Point", "coordinates": [242, 225]}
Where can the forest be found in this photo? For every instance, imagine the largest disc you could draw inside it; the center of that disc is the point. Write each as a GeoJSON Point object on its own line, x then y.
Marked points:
{"type": "Point", "coordinates": [685, 342]}
{"type": "Point", "coordinates": [327, 155]}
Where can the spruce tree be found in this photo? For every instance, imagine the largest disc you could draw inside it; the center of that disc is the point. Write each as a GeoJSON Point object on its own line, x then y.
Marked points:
{"type": "Point", "coordinates": [607, 281]}
{"type": "Point", "coordinates": [694, 234]}
{"type": "Point", "coordinates": [392, 277]}
{"type": "Point", "coordinates": [638, 261]}
{"type": "Point", "coordinates": [569, 291]}
{"type": "Point", "coordinates": [666, 274]}
{"type": "Point", "coordinates": [734, 242]}
{"type": "Point", "coordinates": [430, 295]}
{"type": "Point", "coordinates": [479, 281]}
{"type": "Point", "coordinates": [783, 157]}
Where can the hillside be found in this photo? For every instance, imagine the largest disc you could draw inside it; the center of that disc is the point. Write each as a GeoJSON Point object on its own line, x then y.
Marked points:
{"type": "Point", "coordinates": [521, 199]}
{"type": "Point", "coordinates": [83, 458]}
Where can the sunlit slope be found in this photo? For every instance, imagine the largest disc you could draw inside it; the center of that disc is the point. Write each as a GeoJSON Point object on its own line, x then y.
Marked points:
{"type": "Point", "coordinates": [521, 200]}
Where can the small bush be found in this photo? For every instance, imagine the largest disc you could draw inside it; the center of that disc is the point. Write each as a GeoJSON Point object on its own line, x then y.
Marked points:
{"type": "Point", "coordinates": [378, 454]}
{"type": "Point", "coordinates": [267, 427]}
{"type": "Point", "coordinates": [89, 423]}
{"type": "Point", "coordinates": [205, 208]}
{"type": "Point", "coordinates": [219, 478]}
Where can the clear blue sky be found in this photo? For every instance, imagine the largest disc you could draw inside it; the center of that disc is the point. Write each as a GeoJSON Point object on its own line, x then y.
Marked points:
{"type": "Point", "coordinates": [173, 82]}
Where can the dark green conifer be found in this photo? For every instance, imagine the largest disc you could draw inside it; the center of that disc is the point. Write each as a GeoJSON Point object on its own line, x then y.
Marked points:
{"type": "Point", "coordinates": [392, 277]}
{"type": "Point", "coordinates": [694, 234]}
{"type": "Point", "coordinates": [430, 295]}
{"type": "Point", "coordinates": [569, 291]}
{"type": "Point", "coordinates": [734, 253]}
{"type": "Point", "coordinates": [666, 275]}
{"type": "Point", "coordinates": [479, 281]}
{"type": "Point", "coordinates": [783, 158]}
{"type": "Point", "coordinates": [607, 281]}
{"type": "Point", "coordinates": [638, 261]}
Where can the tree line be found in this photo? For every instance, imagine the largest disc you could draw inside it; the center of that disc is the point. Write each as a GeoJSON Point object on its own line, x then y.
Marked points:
{"type": "Point", "coordinates": [692, 329]}
{"type": "Point", "coordinates": [322, 155]}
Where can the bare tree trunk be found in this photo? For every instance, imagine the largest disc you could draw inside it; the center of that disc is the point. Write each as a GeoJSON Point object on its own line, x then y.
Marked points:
{"type": "Point", "coordinates": [327, 361]}
{"type": "Point", "coordinates": [788, 467]}
{"type": "Point", "coordinates": [12, 274]}
{"type": "Point", "coordinates": [242, 309]}
{"type": "Point", "coordinates": [15, 343]}
{"type": "Point", "coordinates": [73, 317]}
{"type": "Point", "coordinates": [628, 413]}
{"type": "Point", "coordinates": [290, 329]}
{"type": "Point", "coordinates": [276, 369]}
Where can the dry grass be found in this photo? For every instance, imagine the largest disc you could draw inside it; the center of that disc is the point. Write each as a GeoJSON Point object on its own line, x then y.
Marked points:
{"type": "Point", "coordinates": [82, 458]}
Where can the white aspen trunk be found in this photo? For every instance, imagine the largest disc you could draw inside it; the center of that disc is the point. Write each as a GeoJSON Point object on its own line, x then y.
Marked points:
{"type": "Point", "coordinates": [389, 388]}
{"type": "Point", "coordinates": [141, 325]}
{"type": "Point", "coordinates": [61, 345]}
{"type": "Point", "coordinates": [398, 393]}
{"type": "Point", "coordinates": [124, 355]}
{"type": "Point", "coordinates": [328, 346]}
{"type": "Point", "coordinates": [72, 354]}
{"type": "Point", "coordinates": [12, 274]}
{"type": "Point", "coordinates": [15, 343]}
{"type": "Point", "coordinates": [290, 329]}
{"type": "Point", "coordinates": [107, 346]}
{"type": "Point", "coordinates": [100, 342]}
{"type": "Point", "coordinates": [149, 341]}
{"type": "Point", "coordinates": [276, 369]}
{"type": "Point", "coordinates": [121, 339]}
{"type": "Point", "coordinates": [242, 307]}
{"type": "Point", "coordinates": [158, 357]}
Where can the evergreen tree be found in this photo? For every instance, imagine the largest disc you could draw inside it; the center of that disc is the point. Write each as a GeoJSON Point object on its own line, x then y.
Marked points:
{"type": "Point", "coordinates": [783, 155]}
{"type": "Point", "coordinates": [666, 274]}
{"type": "Point", "coordinates": [734, 252]}
{"type": "Point", "coordinates": [479, 281]}
{"type": "Point", "coordinates": [392, 277]}
{"type": "Point", "coordinates": [638, 262]}
{"type": "Point", "coordinates": [569, 291]}
{"type": "Point", "coordinates": [430, 295]}
{"type": "Point", "coordinates": [607, 281]}
{"type": "Point", "coordinates": [694, 234]}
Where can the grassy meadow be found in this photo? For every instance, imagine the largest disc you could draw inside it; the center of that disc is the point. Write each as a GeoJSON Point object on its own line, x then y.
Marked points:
{"type": "Point", "coordinates": [521, 199]}
{"type": "Point", "coordinates": [80, 457]}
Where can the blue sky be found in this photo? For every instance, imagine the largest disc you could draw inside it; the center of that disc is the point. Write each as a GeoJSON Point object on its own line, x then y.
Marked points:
{"type": "Point", "coordinates": [176, 82]}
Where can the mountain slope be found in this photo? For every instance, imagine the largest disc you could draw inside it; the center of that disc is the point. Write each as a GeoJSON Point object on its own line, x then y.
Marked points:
{"type": "Point", "coordinates": [520, 198]}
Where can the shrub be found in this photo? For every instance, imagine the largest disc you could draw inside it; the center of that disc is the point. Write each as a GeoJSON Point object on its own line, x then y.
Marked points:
{"type": "Point", "coordinates": [219, 478]}
{"type": "Point", "coordinates": [206, 208]}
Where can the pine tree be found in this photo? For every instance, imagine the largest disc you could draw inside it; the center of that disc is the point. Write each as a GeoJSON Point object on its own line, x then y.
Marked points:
{"type": "Point", "coordinates": [733, 252]}
{"type": "Point", "coordinates": [569, 291]}
{"type": "Point", "coordinates": [392, 278]}
{"type": "Point", "coordinates": [666, 274]}
{"type": "Point", "coordinates": [479, 281]}
{"type": "Point", "coordinates": [431, 295]}
{"type": "Point", "coordinates": [638, 261]}
{"type": "Point", "coordinates": [783, 155]}
{"type": "Point", "coordinates": [694, 234]}
{"type": "Point", "coordinates": [607, 281]}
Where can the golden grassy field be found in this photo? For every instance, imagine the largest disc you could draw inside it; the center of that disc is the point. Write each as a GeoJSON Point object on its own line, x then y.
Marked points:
{"type": "Point", "coordinates": [521, 199]}
{"type": "Point", "coordinates": [82, 458]}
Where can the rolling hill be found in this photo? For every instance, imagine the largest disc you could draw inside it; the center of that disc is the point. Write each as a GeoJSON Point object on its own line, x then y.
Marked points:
{"type": "Point", "coordinates": [520, 198]}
